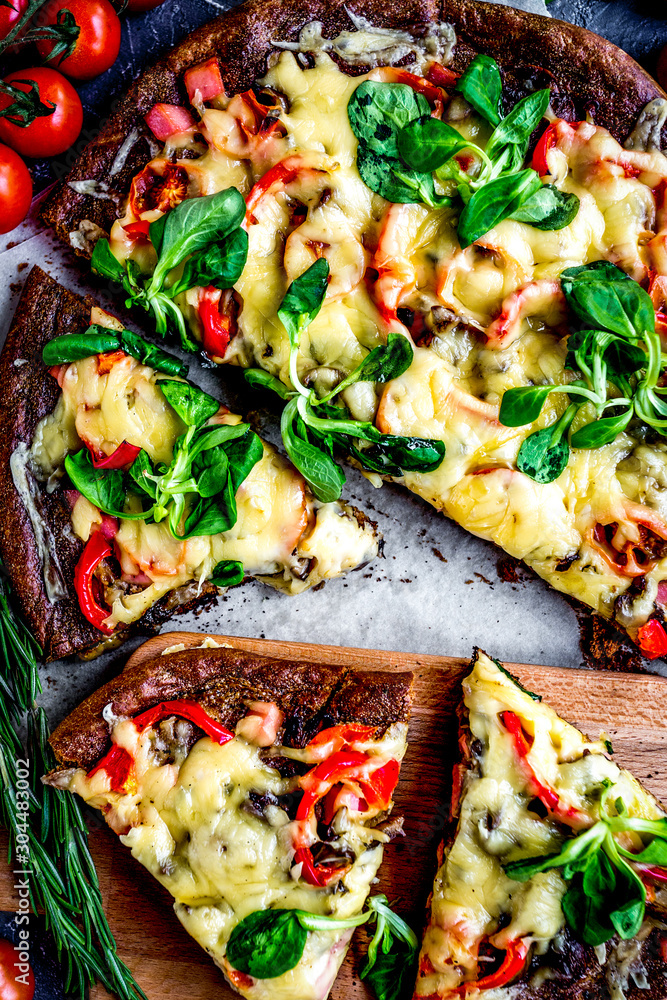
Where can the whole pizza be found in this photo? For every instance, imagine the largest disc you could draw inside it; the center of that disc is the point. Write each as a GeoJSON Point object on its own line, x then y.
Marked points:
{"type": "Point", "coordinates": [443, 252]}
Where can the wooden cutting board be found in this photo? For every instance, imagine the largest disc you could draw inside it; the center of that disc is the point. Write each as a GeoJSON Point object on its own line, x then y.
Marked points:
{"type": "Point", "coordinates": [167, 962]}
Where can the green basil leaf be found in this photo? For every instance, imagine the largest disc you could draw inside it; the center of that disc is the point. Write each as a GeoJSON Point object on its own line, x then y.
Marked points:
{"type": "Point", "coordinates": [393, 972]}
{"type": "Point", "coordinates": [393, 455]}
{"type": "Point", "coordinates": [602, 295]}
{"type": "Point", "coordinates": [482, 87]}
{"type": "Point", "coordinates": [267, 943]}
{"type": "Point", "coordinates": [104, 488]}
{"type": "Point", "coordinates": [654, 854]}
{"type": "Point", "coordinates": [76, 346]}
{"type": "Point", "coordinates": [588, 917]}
{"type": "Point", "coordinates": [303, 300]}
{"type": "Point", "coordinates": [243, 453]}
{"type": "Point", "coordinates": [539, 459]}
{"type": "Point", "coordinates": [382, 364]}
{"type": "Point", "coordinates": [104, 263]}
{"type": "Point", "coordinates": [193, 405]}
{"type": "Point", "coordinates": [522, 871]}
{"type": "Point", "coordinates": [323, 475]}
{"type": "Point", "coordinates": [377, 111]}
{"type": "Point", "coordinates": [549, 208]}
{"type": "Point", "coordinates": [390, 178]}
{"type": "Point", "coordinates": [192, 226]}
{"type": "Point", "coordinates": [211, 471]}
{"type": "Point", "coordinates": [227, 573]}
{"type": "Point", "coordinates": [622, 358]}
{"type": "Point", "coordinates": [212, 516]}
{"type": "Point", "coordinates": [628, 918]}
{"type": "Point", "coordinates": [497, 200]}
{"type": "Point", "coordinates": [262, 380]}
{"type": "Point", "coordinates": [215, 436]}
{"type": "Point", "coordinates": [427, 143]}
{"type": "Point", "coordinates": [602, 431]}
{"type": "Point", "coordinates": [220, 265]}
{"type": "Point", "coordinates": [517, 127]}
{"type": "Point", "coordinates": [523, 405]}
{"type": "Point", "coordinates": [139, 471]}
{"type": "Point", "coordinates": [151, 355]}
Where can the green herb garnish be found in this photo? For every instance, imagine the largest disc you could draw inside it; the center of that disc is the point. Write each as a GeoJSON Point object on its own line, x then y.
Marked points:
{"type": "Point", "coordinates": [616, 351]}
{"type": "Point", "coordinates": [268, 943]}
{"type": "Point", "coordinates": [605, 895]}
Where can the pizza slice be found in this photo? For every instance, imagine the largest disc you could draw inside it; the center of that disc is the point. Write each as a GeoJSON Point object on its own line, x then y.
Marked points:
{"type": "Point", "coordinates": [552, 882]}
{"type": "Point", "coordinates": [459, 193]}
{"type": "Point", "coordinates": [128, 493]}
{"type": "Point", "coordinates": [257, 791]}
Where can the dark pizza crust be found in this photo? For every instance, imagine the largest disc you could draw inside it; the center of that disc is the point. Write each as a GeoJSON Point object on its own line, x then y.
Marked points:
{"type": "Point", "coordinates": [588, 75]}
{"type": "Point", "coordinates": [575, 972]}
{"type": "Point", "coordinates": [47, 310]}
{"type": "Point", "coordinates": [223, 681]}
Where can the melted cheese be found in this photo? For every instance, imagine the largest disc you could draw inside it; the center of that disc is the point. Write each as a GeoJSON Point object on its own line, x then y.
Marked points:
{"type": "Point", "coordinates": [471, 891]}
{"type": "Point", "coordinates": [188, 826]}
{"type": "Point", "coordinates": [493, 314]}
{"type": "Point", "coordinates": [282, 534]}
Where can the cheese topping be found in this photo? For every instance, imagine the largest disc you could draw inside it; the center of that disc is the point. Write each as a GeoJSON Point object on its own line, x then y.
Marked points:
{"type": "Point", "coordinates": [473, 900]}
{"type": "Point", "coordinates": [196, 825]}
{"type": "Point", "coordinates": [484, 319]}
{"type": "Point", "coordinates": [282, 534]}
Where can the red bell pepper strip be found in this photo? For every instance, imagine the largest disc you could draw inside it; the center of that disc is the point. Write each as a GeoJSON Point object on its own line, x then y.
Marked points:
{"type": "Point", "coordinates": [218, 326]}
{"type": "Point", "coordinates": [204, 78]}
{"type": "Point", "coordinates": [343, 765]}
{"type": "Point", "coordinates": [336, 737]}
{"type": "Point", "coordinates": [652, 872]}
{"type": "Point", "coordinates": [189, 710]}
{"type": "Point", "coordinates": [652, 639]}
{"type": "Point", "coordinates": [124, 455]}
{"type": "Point", "coordinates": [547, 796]}
{"type": "Point", "coordinates": [97, 548]}
{"type": "Point", "coordinates": [441, 76]}
{"type": "Point", "coordinates": [137, 230]}
{"type": "Point", "coordinates": [118, 762]}
{"type": "Point", "coordinates": [546, 142]}
{"type": "Point", "coordinates": [165, 120]}
{"type": "Point", "coordinates": [512, 966]}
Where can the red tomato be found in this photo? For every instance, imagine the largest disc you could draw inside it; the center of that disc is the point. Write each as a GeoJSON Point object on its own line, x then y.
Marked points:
{"type": "Point", "coordinates": [10, 989]}
{"type": "Point", "coordinates": [98, 44]}
{"type": "Point", "coordinates": [15, 190]}
{"type": "Point", "coordinates": [137, 5]}
{"type": "Point", "coordinates": [10, 15]}
{"type": "Point", "coordinates": [50, 134]}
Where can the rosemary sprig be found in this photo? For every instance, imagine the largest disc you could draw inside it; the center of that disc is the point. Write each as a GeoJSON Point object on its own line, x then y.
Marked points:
{"type": "Point", "coordinates": [62, 876]}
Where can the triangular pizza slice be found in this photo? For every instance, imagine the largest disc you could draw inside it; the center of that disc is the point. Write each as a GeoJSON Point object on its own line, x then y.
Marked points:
{"type": "Point", "coordinates": [251, 788]}
{"type": "Point", "coordinates": [551, 884]}
{"type": "Point", "coordinates": [129, 494]}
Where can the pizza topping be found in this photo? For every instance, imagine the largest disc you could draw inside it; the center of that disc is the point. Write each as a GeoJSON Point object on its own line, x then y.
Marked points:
{"type": "Point", "coordinates": [260, 726]}
{"type": "Point", "coordinates": [204, 82]}
{"type": "Point", "coordinates": [165, 120]}
{"type": "Point", "coordinates": [97, 548]}
{"type": "Point", "coordinates": [652, 639]}
{"type": "Point", "coordinates": [511, 967]}
{"type": "Point", "coordinates": [268, 943]}
{"type": "Point", "coordinates": [606, 895]}
{"type": "Point", "coordinates": [618, 354]}
{"type": "Point", "coordinates": [123, 456]}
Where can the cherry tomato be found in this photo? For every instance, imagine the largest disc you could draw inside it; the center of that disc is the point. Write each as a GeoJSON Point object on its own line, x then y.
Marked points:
{"type": "Point", "coordinates": [10, 989]}
{"type": "Point", "coordinates": [15, 192]}
{"type": "Point", "coordinates": [10, 15]}
{"type": "Point", "coordinates": [138, 5]}
{"type": "Point", "coordinates": [98, 44]}
{"type": "Point", "coordinates": [661, 71]}
{"type": "Point", "coordinates": [50, 134]}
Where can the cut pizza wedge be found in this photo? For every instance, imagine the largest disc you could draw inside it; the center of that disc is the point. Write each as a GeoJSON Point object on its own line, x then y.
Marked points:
{"type": "Point", "coordinates": [552, 882]}
{"type": "Point", "coordinates": [257, 791]}
{"type": "Point", "coordinates": [128, 493]}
